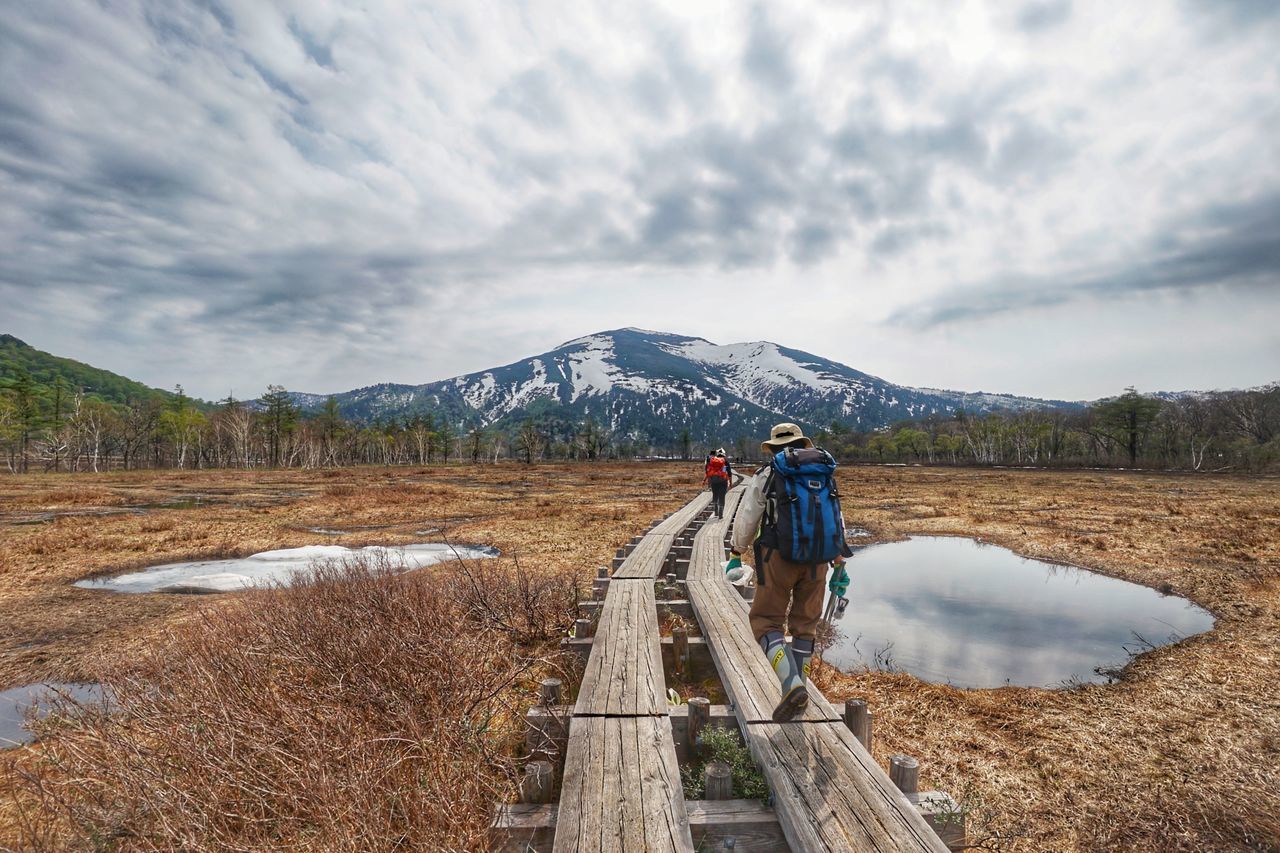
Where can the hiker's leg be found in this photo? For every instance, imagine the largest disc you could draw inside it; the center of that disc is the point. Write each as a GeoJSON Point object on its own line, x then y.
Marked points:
{"type": "Point", "coordinates": [718, 488]}
{"type": "Point", "coordinates": [806, 610]}
{"type": "Point", "coordinates": [766, 622]}
{"type": "Point", "coordinates": [806, 606]}
{"type": "Point", "coordinates": [769, 607]}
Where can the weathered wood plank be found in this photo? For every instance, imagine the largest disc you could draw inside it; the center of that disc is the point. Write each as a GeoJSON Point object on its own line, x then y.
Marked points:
{"type": "Point", "coordinates": [754, 826]}
{"type": "Point", "coordinates": [631, 799]}
{"type": "Point", "coordinates": [751, 824]}
{"type": "Point", "coordinates": [624, 674]}
{"type": "Point", "coordinates": [830, 794]}
{"type": "Point", "coordinates": [666, 823]}
{"type": "Point", "coordinates": [680, 519]}
{"type": "Point", "coordinates": [647, 560]}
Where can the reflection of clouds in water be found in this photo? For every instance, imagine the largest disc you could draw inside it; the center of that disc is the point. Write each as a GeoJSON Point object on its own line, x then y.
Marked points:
{"type": "Point", "coordinates": [280, 566]}
{"type": "Point", "coordinates": [16, 702]}
{"type": "Point", "coordinates": [979, 615]}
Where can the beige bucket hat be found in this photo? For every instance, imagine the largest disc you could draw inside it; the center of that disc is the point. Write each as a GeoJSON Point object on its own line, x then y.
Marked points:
{"type": "Point", "coordinates": [782, 435]}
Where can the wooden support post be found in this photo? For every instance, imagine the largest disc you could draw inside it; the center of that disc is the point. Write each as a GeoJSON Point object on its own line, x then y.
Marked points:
{"type": "Point", "coordinates": [855, 717]}
{"type": "Point", "coordinates": [944, 816]}
{"type": "Point", "coordinates": [603, 573]}
{"type": "Point", "coordinates": [905, 773]}
{"type": "Point", "coordinates": [671, 578]}
{"type": "Point", "coordinates": [536, 786]}
{"type": "Point", "coordinates": [599, 588]}
{"type": "Point", "coordinates": [699, 716]}
{"type": "Point", "coordinates": [719, 778]}
{"type": "Point", "coordinates": [582, 627]}
{"type": "Point", "coordinates": [550, 692]}
{"type": "Point", "coordinates": [679, 649]}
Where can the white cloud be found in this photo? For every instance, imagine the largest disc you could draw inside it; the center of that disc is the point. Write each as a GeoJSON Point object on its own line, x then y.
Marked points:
{"type": "Point", "coordinates": [231, 192]}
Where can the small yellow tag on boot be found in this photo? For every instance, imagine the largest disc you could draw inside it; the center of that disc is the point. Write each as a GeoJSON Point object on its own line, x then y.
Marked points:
{"type": "Point", "coordinates": [777, 656]}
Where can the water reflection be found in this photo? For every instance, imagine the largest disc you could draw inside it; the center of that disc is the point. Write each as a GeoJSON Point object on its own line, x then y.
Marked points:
{"type": "Point", "coordinates": [16, 702]}
{"type": "Point", "coordinates": [954, 610]}
{"type": "Point", "coordinates": [280, 566]}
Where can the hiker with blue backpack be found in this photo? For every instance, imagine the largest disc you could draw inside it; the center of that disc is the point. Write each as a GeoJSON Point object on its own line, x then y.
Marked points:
{"type": "Point", "coordinates": [790, 516]}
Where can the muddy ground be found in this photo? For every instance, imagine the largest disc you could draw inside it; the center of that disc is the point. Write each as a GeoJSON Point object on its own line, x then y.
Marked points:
{"type": "Point", "coordinates": [1181, 753]}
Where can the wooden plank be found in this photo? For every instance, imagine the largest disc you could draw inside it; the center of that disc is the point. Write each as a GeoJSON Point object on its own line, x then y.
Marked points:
{"type": "Point", "coordinates": [666, 822]}
{"type": "Point", "coordinates": [521, 828]}
{"type": "Point", "coordinates": [647, 559]}
{"type": "Point", "coordinates": [624, 671]}
{"type": "Point", "coordinates": [581, 804]}
{"type": "Point", "coordinates": [830, 795]}
{"type": "Point", "coordinates": [754, 826]}
{"type": "Point", "coordinates": [680, 519]}
{"type": "Point", "coordinates": [631, 799]}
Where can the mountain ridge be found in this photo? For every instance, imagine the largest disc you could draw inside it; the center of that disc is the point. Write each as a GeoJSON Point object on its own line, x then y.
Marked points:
{"type": "Point", "coordinates": [648, 385]}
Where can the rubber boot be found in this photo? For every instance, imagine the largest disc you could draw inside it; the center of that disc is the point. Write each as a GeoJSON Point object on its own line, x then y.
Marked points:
{"type": "Point", "coordinates": [802, 651]}
{"type": "Point", "coordinates": [795, 696]}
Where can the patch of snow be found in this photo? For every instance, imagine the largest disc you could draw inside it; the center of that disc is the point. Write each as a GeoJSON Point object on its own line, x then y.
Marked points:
{"type": "Point", "coordinates": [592, 370]}
{"type": "Point", "coordinates": [481, 391]}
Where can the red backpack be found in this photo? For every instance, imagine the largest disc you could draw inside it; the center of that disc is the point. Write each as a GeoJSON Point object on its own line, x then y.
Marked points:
{"type": "Point", "coordinates": [715, 468]}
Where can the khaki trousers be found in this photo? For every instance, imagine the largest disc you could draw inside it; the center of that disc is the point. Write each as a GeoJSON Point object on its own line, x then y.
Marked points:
{"type": "Point", "coordinates": [797, 585]}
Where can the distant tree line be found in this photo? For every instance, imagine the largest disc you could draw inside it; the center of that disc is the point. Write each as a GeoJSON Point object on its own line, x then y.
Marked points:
{"type": "Point", "coordinates": [54, 426]}
{"type": "Point", "coordinates": [1229, 430]}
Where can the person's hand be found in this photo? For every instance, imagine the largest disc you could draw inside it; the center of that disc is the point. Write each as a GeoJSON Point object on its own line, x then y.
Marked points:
{"type": "Point", "coordinates": [839, 583]}
{"type": "Point", "coordinates": [735, 560]}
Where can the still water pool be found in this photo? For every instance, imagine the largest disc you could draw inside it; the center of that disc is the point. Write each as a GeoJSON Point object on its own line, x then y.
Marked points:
{"type": "Point", "coordinates": [957, 611]}
{"type": "Point", "coordinates": [277, 567]}
{"type": "Point", "coordinates": [17, 702]}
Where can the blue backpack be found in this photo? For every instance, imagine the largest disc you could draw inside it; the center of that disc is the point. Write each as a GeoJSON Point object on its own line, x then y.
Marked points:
{"type": "Point", "coordinates": [802, 519]}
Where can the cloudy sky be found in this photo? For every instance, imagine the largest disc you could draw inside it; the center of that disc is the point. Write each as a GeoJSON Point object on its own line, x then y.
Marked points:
{"type": "Point", "coordinates": [1055, 198]}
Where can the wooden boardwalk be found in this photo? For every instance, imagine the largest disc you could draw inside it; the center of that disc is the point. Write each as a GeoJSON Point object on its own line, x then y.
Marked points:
{"type": "Point", "coordinates": [621, 786]}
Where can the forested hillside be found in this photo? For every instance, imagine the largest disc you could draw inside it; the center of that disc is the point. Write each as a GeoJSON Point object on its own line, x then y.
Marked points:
{"type": "Point", "coordinates": [51, 372]}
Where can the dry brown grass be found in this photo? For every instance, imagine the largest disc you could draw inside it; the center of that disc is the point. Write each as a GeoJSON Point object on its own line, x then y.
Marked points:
{"type": "Point", "coordinates": [52, 630]}
{"type": "Point", "coordinates": [362, 710]}
{"type": "Point", "coordinates": [1179, 755]}
{"type": "Point", "coordinates": [1182, 753]}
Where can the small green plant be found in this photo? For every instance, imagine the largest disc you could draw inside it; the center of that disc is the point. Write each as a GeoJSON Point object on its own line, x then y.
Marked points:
{"type": "Point", "coordinates": [720, 744]}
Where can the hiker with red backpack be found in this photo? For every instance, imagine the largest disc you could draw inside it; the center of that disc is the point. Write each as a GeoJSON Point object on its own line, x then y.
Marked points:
{"type": "Point", "coordinates": [717, 474]}
{"type": "Point", "coordinates": [790, 515]}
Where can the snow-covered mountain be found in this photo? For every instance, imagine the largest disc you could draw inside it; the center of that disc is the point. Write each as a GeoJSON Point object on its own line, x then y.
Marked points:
{"type": "Point", "coordinates": [652, 385]}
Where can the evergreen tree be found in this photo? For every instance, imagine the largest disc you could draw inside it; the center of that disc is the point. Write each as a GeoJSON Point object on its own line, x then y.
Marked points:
{"type": "Point", "coordinates": [1128, 418]}
{"type": "Point", "coordinates": [281, 418]}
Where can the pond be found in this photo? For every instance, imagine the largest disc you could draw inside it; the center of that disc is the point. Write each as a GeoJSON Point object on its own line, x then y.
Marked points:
{"type": "Point", "coordinates": [16, 701]}
{"type": "Point", "coordinates": [957, 611]}
{"type": "Point", "coordinates": [280, 566]}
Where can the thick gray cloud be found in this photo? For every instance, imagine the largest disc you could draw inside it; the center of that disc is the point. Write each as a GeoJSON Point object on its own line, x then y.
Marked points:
{"type": "Point", "coordinates": [1232, 245]}
{"type": "Point", "coordinates": [231, 192]}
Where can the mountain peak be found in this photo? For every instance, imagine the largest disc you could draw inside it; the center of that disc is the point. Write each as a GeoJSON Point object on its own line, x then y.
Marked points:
{"type": "Point", "coordinates": [628, 334]}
